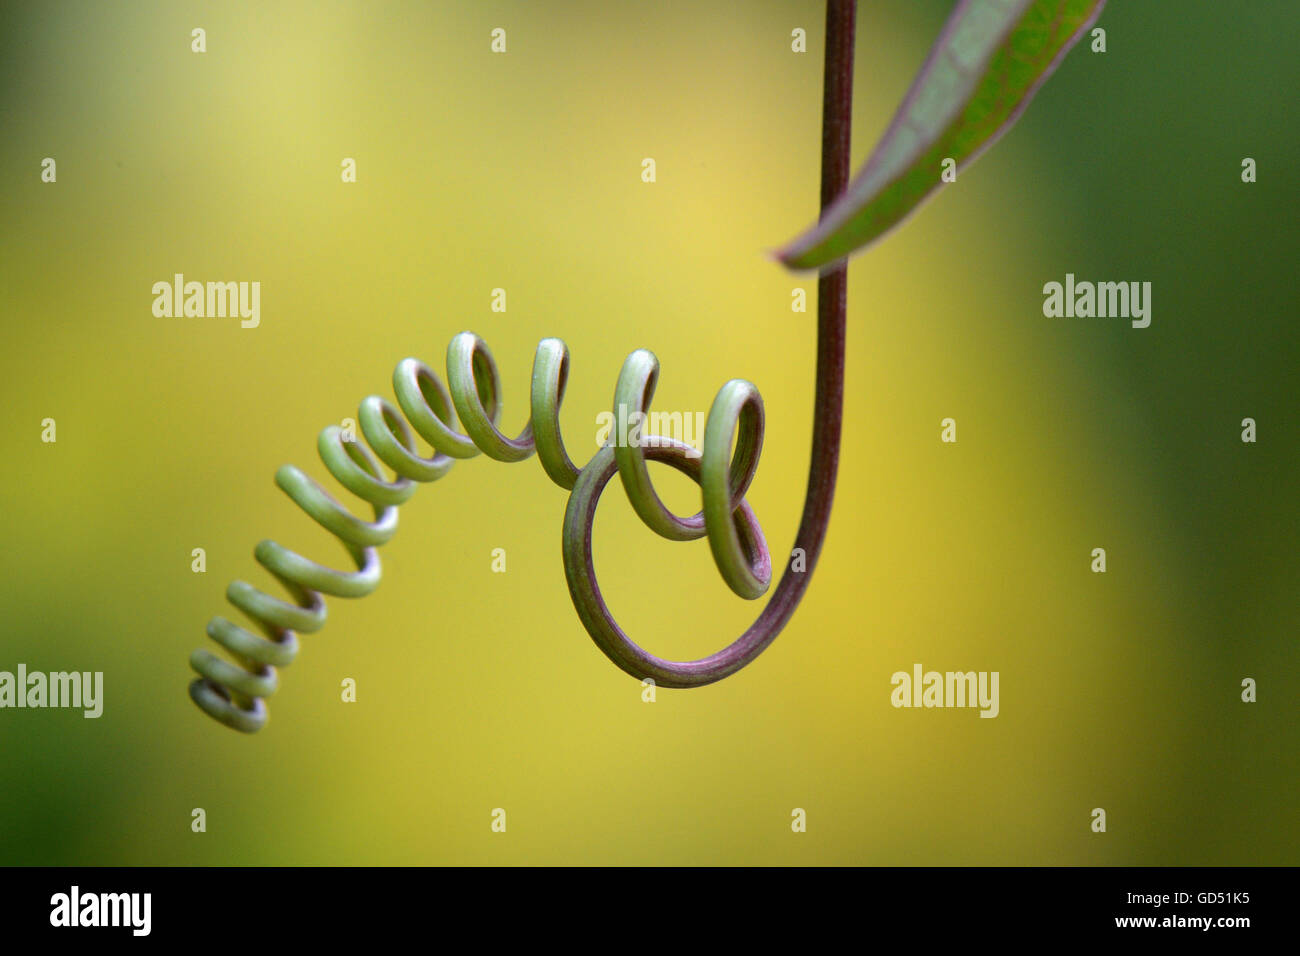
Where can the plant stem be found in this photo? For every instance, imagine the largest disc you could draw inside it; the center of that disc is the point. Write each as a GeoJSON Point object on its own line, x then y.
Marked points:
{"type": "Point", "coordinates": [832, 285]}
{"type": "Point", "coordinates": [827, 414]}
{"type": "Point", "coordinates": [832, 302]}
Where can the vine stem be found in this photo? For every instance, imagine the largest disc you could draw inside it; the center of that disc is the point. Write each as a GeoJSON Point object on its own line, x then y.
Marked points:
{"type": "Point", "coordinates": [234, 694]}
{"type": "Point", "coordinates": [832, 306]}
{"type": "Point", "coordinates": [837, 109]}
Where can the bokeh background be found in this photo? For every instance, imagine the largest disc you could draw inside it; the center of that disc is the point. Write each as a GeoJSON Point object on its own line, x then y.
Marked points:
{"type": "Point", "coordinates": [479, 690]}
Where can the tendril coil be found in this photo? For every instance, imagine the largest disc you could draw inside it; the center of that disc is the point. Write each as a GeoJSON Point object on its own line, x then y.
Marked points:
{"type": "Point", "coordinates": [234, 692]}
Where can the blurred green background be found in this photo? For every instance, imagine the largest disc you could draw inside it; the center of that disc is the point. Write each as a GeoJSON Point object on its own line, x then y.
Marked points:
{"type": "Point", "coordinates": [479, 690]}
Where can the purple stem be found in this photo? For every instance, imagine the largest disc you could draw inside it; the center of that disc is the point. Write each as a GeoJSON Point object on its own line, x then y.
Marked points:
{"type": "Point", "coordinates": [832, 301]}
{"type": "Point", "coordinates": [837, 108]}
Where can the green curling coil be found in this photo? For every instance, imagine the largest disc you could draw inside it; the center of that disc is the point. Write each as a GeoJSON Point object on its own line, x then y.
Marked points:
{"type": "Point", "coordinates": [234, 691]}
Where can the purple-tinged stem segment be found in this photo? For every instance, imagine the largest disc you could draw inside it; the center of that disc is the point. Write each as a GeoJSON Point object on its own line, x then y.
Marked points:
{"type": "Point", "coordinates": [832, 285]}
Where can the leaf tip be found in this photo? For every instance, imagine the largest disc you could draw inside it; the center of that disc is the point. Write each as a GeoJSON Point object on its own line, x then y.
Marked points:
{"type": "Point", "coordinates": [791, 256]}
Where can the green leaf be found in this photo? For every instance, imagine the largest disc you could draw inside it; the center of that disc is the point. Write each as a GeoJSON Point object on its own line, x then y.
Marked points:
{"type": "Point", "coordinates": [986, 66]}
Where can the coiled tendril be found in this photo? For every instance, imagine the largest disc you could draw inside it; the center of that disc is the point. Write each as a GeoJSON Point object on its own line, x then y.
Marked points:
{"type": "Point", "coordinates": [234, 693]}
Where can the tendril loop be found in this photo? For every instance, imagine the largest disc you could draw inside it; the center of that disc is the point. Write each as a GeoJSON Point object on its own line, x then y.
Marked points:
{"type": "Point", "coordinates": [234, 693]}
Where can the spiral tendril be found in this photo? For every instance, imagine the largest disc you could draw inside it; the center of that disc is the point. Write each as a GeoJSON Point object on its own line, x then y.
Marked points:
{"type": "Point", "coordinates": [234, 693]}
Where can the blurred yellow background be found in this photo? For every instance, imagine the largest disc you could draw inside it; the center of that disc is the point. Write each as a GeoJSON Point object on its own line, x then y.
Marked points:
{"type": "Point", "coordinates": [521, 171]}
